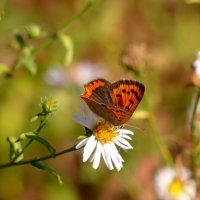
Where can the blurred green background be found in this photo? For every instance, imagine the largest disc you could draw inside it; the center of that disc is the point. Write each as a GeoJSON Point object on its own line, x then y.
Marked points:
{"type": "Point", "coordinates": [161, 37]}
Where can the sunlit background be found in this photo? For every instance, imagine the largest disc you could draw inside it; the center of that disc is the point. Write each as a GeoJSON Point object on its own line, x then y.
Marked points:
{"type": "Point", "coordinates": [113, 40]}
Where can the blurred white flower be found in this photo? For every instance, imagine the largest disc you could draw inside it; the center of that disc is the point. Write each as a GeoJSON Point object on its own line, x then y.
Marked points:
{"type": "Point", "coordinates": [171, 184]}
{"type": "Point", "coordinates": [102, 141]}
{"type": "Point", "coordinates": [196, 65]}
{"type": "Point", "coordinates": [84, 71]}
{"type": "Point", "coordinates": [77, 74]}
{"type": "Point", "coordinates": [56, 76]}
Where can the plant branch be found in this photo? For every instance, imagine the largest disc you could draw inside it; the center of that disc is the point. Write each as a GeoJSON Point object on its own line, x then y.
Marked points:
{"type": "Point", "coordinates": [49, 156]}
{"type": "Point", "coordinates": [193, 136]}
{"type": "Point", "coordinates": [54, 36]}
{"type": "Point", "coordinates": [194, 113]}
{"type": "Point", "coordinates": [37, 131]}
{"type": "Point", "coordinates": [156, 134]}
{"type": "Point", "coordinates": [50, 38]}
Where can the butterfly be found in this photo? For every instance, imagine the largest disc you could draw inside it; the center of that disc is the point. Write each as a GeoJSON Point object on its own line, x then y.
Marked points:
{"type": "Point", "coordinates": [114, 102]}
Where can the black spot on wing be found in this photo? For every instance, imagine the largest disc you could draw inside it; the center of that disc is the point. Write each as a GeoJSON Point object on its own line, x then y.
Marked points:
{"type": "Point", "coordinates": [123, 90]}
{"type": "Point", "coordinates": [131, 101]}
{"type": "Point", "coordinates": [119, 95]}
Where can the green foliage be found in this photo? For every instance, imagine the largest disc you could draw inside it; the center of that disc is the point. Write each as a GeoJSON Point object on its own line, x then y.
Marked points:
{"type": "Point", "coordinates": [15, 149]}
{"type": "Point", "coordinates": [34, 31]}
{"type": "Point", "coordinates": [32, 136]}
{"type": "Point", "coordinates": [49, 107]}
{"type": "Point", "coordinates": [45, 167]}
{"type": "Point", "coordinates": [56, 37]}
{"type": "Point", "coordinates": [68, 46]}
{"type": "Point", "coordinates": [88, 132]}
{"type": "Point", "coordinates": [4, 69]}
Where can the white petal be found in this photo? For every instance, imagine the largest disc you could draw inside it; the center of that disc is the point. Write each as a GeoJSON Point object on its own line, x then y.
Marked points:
{"type": "Point", "coordinates": [104, 156]}
{"type": "Point", "coordinates": [81, 143]}
{"type": "Point", "coordinates": [97, 156]}
{"type": "Point", "coordinates": [113, 156]}
{"type": "Point", "coordinates": [125, 136]}
{"type": "Point", "coordinates": [162, 181]}
{"type": "Point", "coordinates": [123, 146]}
{"type": "Point", "coordinates": [115, 150]}
{"type": "Point", "coordinates": [124, 131]}
{"type": "Point", "coordinates": [80, 120]}
{"type": "Point", "coordinates": [84, 110]}
{"type": "Point", "coordinates": [124, 142]}
{"type": "Point", "coordinates": [107, 158]}
{"type": "Point", "coordinates": [89, 148]}
{"type": "Point", "coordinates": [190, 189]}
{"type": "Point", "coordinates": [88, 119]}
{"type": "Point", "coordinates": [93, 119]}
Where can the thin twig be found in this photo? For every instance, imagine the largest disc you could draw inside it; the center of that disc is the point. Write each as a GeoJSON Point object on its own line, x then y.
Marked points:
{"type": "Point", "coordinates": [29, 142]}
{"type": "Point", "coordinates": [51, 38]}
{"type": "Point", "coordinates": [25, 162]}
{"type": "Point", "coordinates": [193, 136]}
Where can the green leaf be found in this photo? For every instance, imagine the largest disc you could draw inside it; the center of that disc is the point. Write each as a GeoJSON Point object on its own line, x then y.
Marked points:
{"type": "Point", "coordinates": [45, 167]}
{"type": "Point", "coordinates": [29, 63]}
{"type": "Point", "coordinates": [15, 149]}
{"type": "Point", "coordinates": [34, 118]}
{"type": "Point", "coordinates": [34, 31]}
{"type": "Point", "coordinates": [25, 136]}
{"type": "Point", "coordinates": [39, 139]}
{"type": "Point", "coordinates": [19, 38]}
{"type": "Point", "coordinates": [68, 45]}
{"type": "Point", "coordinates": [4, 69]}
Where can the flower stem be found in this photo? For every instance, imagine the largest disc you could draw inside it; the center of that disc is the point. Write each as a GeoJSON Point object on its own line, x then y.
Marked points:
{"type": "Point", "coordinates": [24, 162]}
{"type": "Point", "coordinates": [193, 136]}
{"type": "Point", "coordinates": [156, 134]}
{"type": "Point", "coordinates": [161, 145]}
{"type": "Point", "coordinates": [37, 131]}
{"type": "Point", "coordinates": [157, 137]}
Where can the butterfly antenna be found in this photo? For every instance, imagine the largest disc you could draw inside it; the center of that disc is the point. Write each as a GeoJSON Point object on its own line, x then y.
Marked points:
{"type": "Point", "coordinates": [135, 127]}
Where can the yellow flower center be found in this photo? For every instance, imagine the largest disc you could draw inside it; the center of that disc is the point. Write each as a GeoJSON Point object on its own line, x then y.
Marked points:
{"type": "Point", "coordinates": [104, 132]}
{"type": "Point", "coordinates": [176, 188]}
{"type": "Point", "coordinates": [50, 103]}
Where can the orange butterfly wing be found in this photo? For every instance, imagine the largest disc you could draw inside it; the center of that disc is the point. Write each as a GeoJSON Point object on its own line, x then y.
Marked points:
{"type": "Point", "coordinates": [126, 95]}
{"type": "Point", "coordinates": [98, 95]}
{"type": "Point", "coordinates": [113, 102]}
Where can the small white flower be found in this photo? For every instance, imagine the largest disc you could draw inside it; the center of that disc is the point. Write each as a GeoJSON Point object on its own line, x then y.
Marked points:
{"type": "Point", "coordinates": [103, 142]}
{"type": "Point", "coordinates": [173, 185]}
{"type": "Point", "coordinates": [56, 76]}
{"type": "Point", "coordinates": [84, 71]}
{"type": "Point", "coordinates": [196, 64]}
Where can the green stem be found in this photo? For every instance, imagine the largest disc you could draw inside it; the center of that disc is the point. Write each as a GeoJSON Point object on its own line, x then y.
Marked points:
{"type": "Point", "coordinates": [193, 136]}
{"type": "Point", "coordinates": [194, 113]}
{"type": "Point", "coordinates": [75, 17]}
{"type": "Point", "coordinates": [11, 164]}
{"type": "Point", "coordinates": [156, 134]}
{"type": "Point", "coordinates": [54, 36]}
{"type": "Point", "coordinates": [49, 39]}
{"type": "Point", "coordinates": [30, 141]}
{"type": "Point", "coordinates": [157, 137]}
{"type": "Point", "coordinates": [161, 145]}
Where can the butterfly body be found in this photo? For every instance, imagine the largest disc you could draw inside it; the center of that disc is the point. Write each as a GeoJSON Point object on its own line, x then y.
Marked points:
{"type": "Point", "coordinates": [114, 102]}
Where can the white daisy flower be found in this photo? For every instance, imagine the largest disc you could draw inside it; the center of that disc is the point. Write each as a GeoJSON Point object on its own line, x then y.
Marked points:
{"type": "Point", "coordinates": [103, 142]}
{"type": "Point", "coordinates": [196, 64]}
{"type": "Point", "coordinates": [171, 184]}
